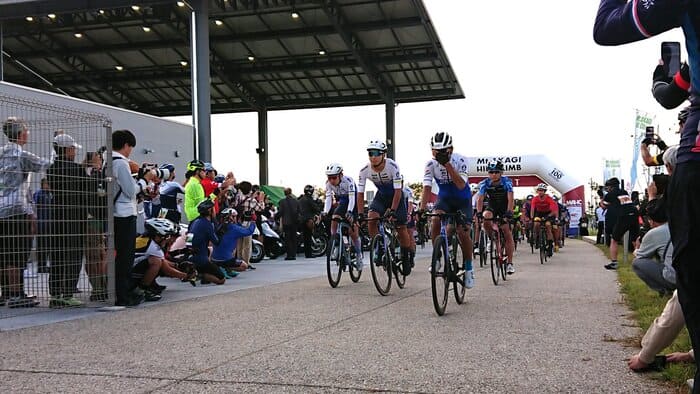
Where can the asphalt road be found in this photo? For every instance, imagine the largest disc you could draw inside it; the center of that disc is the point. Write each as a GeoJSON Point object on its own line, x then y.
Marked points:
{"type": "Point", "coordinates": [549, 328]}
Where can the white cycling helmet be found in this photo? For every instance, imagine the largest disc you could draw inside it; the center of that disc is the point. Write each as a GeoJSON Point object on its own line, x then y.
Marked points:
{"type": "Point", "coordinates": [160, 226]}
{"type": "Point", "coordinates": [377, 145]}
{"type": "Point", "coordinates": [441, 140]}
{"type": "Point", "coordinates": [229, 211]}
{"type": "Point", "coordinates": [334, 169]}
{"type": "Point", "coordinates": [542, 186]}
{"type": "Point", "coordinates": [474, 187]}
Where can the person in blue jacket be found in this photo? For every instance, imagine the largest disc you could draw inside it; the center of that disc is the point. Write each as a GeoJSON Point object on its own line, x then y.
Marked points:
{"type": "Point", "coordinates": [621, 22]}
{"type": "Point", "coordinates": [223, 253]}
{"type": "Point", "coordinates": [201, 233]}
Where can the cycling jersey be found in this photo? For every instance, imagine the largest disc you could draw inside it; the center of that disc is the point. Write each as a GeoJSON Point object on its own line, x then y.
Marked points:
{"type": "Point", "coordinates": [527, 208]}
{"type": "Point", "coordinates": [544, 206]}
{"type": "Point", "coordinates": [498, 193]}
{"type": "Point", "coordinates": [438, 172]}
{"type": "Point", "coordinates": [344, 193]}
{"type": "Point", "coordinates": [386, 181]}
{"type": "Point", "coordinates": [620, 22]}
{"type": "Point", "coordinates": [168, 194]}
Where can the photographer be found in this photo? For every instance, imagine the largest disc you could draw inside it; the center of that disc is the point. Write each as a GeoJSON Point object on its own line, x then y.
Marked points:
{"type": "Point", "coordinates": [169, 190]}
{"type": "Point", "coordinates": [670, 92]}
{"type": "Point", "coordinates": [248, 202]}
{"type": "Point", "coordinates": [126, 188]}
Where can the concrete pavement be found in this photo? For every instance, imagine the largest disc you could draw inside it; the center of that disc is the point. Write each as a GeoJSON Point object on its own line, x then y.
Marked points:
{"type": "Point", "coordinates": [546, 329]}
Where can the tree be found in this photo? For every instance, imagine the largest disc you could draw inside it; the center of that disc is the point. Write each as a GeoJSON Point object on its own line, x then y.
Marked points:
{"type": "Point", "coordinates": [417, 189]}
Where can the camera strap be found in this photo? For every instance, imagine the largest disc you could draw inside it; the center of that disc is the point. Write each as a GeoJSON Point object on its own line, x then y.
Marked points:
{"type": "Point", "coordinates": [116, 196]}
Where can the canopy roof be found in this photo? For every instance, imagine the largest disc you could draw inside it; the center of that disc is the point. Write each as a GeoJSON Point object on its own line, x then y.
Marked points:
{"type": "Point", "coordinates": [265, 54]}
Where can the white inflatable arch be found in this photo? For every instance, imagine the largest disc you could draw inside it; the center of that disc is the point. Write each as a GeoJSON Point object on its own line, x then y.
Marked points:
{"type": "Point", "coordinates": [528, 171]}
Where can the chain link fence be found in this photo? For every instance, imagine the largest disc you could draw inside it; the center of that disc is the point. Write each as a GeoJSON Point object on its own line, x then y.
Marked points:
{"type": "Point", "coordinates": [55, 208]}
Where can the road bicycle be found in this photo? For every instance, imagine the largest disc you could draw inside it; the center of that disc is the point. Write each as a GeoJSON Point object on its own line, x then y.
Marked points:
{"type": "Point", "coordinates": [497, 249]}
{"type": "Point", "coordinates": [341, 255]}
{"type": "Point", "coordinates": [445, 267]}
{"type": "Point", "coordinates": [385, 257]}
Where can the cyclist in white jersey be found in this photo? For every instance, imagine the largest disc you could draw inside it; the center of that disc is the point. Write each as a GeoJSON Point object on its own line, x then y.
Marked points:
{"type": "Point", "coordinates": [449, 170]}
{"type": "Point", "coordinates": [343, 189]}
{"type": "Point", "coordinates": [388, 201]}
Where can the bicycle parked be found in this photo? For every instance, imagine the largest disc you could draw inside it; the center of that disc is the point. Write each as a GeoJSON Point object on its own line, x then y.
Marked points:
{"type": "Point", "coordinates": [385, 257]}
{"type": "Point", "coordinates": [445, 268]}
{"type": "Point", "coordinates": [341, 255]}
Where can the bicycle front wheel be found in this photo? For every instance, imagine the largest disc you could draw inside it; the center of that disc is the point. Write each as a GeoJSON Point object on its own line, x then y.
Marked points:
{"type": "Point", "coordinates": [380, 265]}
{"type": "Point", "coordinates": [397, 264]}
{"type": "Point", "coordinates": [495, 263]}
{"type": "Point", "coordinates": [457, 257]}
{"type": "Point", "coordinates": [543, 248]}
{"type": "Point", "coordinates": [439, 271]}
{"type": "Point", "coordinates": [482, 249]}
{"type": "Point", "coordinates": [503, 257]}
{"type": "Point", "coordinates": [333, 257]}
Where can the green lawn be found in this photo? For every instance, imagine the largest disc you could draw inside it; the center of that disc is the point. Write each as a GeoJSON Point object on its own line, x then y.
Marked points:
{"type": "Point", "coordinates": [646, 305]}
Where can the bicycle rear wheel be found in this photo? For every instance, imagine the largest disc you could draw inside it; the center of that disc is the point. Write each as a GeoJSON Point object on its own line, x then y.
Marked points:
{"type": "Point", "coordinates": [482, 248]}
{"type": "Point", "coordinates": [495, 263]}
{"type": "Point", "coordinates": [334, 269]}
{"type": "Point", "coordinates": [457, 259]}
{"type": "Point", "coordinates": [439, 270]}
{"type": "Point", "coordinates": [543, 247]}
{"type": "Point", "coordinates": [354, 273]}
{"type": "Point", "coordinates": [503, 256]}
{"type": "Point", "coordinates": [397, 264]}
{"type": "Point", "coordinates": [380, 265]}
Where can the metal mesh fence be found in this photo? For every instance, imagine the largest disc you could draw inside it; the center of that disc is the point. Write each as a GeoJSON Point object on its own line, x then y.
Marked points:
{"type": "Point", "coordinates": [54, 207]}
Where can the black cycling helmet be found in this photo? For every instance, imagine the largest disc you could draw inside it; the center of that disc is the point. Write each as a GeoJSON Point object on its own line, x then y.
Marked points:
{"type": "Point", "coordinates": [495, 165]}
{"type": "Point", "coordinates": [204, 206]}
{"type": "Point", "coordinates": [612, 182]}
{"type": "Point", "coordinates": [308, 190]}
{"type": "Point", "coordinates": [683, 115]}
{"type": "Point", "coordinates": [530, 197]}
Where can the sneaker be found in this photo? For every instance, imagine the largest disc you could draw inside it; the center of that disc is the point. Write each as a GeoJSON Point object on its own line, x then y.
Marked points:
{"type": "Point", "coordinates": [556, 248]}
{"type": "Point", "coordinates": [225, 273]}
{"type": "Point", "coordinates": [22, 301]}
{"type": "Point", "coordinates": [251, 266]}
{"type": "Point", "coordinates": [150, 296]}
{"type": "Point", "coordinates": [611, 266]}
{"type": "Point", "coordinates": [510, 270]}
{"type": "Point", "coordinates": [359, 263]}
{"type": "Point", "coordinates": [64, 302]}
{"type": "Point", "coordinates": [690, 383]}
{"type": "Point", "coordinates": [469, 279]}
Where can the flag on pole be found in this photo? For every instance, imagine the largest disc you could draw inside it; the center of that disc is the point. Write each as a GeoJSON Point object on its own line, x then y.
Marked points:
{"type": "Point", "coordinates": [642, 120]}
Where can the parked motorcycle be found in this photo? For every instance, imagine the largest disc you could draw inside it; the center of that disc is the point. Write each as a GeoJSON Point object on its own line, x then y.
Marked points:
{"type": "Point", "coordinates": [271, 241]}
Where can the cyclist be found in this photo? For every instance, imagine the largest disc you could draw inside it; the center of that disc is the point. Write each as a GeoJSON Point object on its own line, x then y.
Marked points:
{"type": "Point", "coordinates": [563, 221]}
{"type": "Point", "coordinates": [544, 209]}
{"type": "Point", "coordinates": [449, 170]}
{"type": "Point", "coordinates": [343, 188]}
{"type": "Point", "coordinates": [386, 176]}
{"type": "Point", "coordinates": [517, 227]}
{"type": "Point", "coordinates": [474, 187]}
{"type": "Point", "coordinates": [499, 188]}
{"type": "Point", "coordinates": [410, 220]}
{"type": "Point", "coordinates": [558, 224]}
{"type": "Point", "coordinates": [527, 219]}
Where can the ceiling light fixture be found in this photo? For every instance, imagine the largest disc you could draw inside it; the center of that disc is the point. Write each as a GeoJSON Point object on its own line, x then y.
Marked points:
{"type": "Point", "coordinates": [251, 58]}
{"type": "Point", "coordinates": [219, 22]}
{"type": "Point", "coordinates": [321, 52]}
{"type": "Point", "coordinates": [146, 28]}
{"type": "Point", "coordinates": [52, 16]}
{"type": "Point", "coordinates": [119, 68]}
{"type": "Point", "coordinates": [183, 63]}
{"type": "Point", "coordinates": [180, 3]}
{"type": "Point", "coordinates": [295, 15]}
{"type": "Point", "coordinates": [29, 19]}
{"type": "Point", "coordinates": [135, 7]}
{"type": "Point", "coordinates": [78, 35]}
{"type": "Point", "coordinates": [102, 12]}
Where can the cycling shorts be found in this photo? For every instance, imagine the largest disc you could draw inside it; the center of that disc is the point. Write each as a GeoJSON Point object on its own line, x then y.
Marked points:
{"type": "Point", "coordinates": [342, 208]}
{"type": "Point", "coordinates": [382, 202]}
{"type": "Point", "coordinates": [456, 204]}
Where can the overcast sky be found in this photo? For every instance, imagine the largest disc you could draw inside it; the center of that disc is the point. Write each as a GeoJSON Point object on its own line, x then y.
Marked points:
{"type": "Point", "coordinates": [534, 80]}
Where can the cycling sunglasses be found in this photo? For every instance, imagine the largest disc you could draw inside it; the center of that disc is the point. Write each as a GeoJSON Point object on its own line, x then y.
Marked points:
{"type": "Point", "coordinates": [494, 172]}
{"type": "Point", "coordinates": [374, 153]}
{"type": "Point", "coordinates": [332, 177]}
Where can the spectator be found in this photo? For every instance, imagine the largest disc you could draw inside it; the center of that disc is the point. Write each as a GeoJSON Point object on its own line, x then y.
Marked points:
{"type": "Point", "coordinates": [223, 254]}
{"type": "Point", "coordinates": [650, 259]}
{"type": "Point", "coordinates": [43, 198]}
{"type": "Point", "coordinates": [194, 192]}
{"type": "Point", "coordinates": [126, 189]}
{"type": "Point", "coordinates": [95, 247]}
{"type": "Point", "coordinates": [212, 187]}
{"type": "Point", "coordinates": [247, 205]}
{"type": "Point", "coordinates": [202, 230]}
{"type": "Point", "coordinates": [290, 212]}
{"type": "Point", "coordinates": [583, 225]}
{"type": "Point", "coordinates": [309, 212]}
{"type": "Point", "coordinates": [169, 190]}
{"type": "Point", "coordinates": [621, 217]}
{"type": "Point", "coordinates": [15, 228]}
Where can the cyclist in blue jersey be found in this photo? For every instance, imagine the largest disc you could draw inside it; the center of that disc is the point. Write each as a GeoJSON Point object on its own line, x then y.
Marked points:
{"type": "Point", "coordinates": [499, 189]}
{"type": "Point", "coordinates": [620, 22]}
{"type": "Point", "coordinates": [449, 171]}
{"type": "Point", "coordinates": [386, 176]}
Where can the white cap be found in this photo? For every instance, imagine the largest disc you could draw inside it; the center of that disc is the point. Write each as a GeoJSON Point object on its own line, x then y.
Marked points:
{"type": "Point", "coordinates": [65, 141]}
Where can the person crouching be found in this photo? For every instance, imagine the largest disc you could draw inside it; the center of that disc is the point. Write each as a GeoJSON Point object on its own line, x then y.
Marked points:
{"type": "Point", "coordinates": [223, 254]}
{"type": "Point", "coordinates": [202, 233]}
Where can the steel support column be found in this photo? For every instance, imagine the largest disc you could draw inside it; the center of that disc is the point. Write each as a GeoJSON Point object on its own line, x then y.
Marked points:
{"type": "Point", "coordinates": [201, 91]}
{"type": "Point", "coordinates": [262, 146]}
{"type": "Point", "coordinates": [2, 53]}
{"type": "Point", "coordinates": [390, 126]}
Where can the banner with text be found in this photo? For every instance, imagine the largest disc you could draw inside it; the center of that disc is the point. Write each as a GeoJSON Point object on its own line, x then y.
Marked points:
{"type": "Point", "coordinates": [642, 120]}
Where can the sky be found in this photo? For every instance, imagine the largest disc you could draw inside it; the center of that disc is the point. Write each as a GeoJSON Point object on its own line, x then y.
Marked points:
{"type": "Point", "coordinates": [534, 81]}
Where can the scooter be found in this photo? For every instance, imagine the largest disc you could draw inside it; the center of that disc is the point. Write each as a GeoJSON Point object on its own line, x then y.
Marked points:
{"type": "Point", "coordinates": [271, 241]}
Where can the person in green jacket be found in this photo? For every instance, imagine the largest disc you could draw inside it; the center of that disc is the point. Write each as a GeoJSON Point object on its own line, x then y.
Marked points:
{"type": "Point", "coordinates": [194, 192]}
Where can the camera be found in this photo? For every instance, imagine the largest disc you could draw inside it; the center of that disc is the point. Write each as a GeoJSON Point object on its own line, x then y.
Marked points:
{"type": "Point", "coordinates": [160, 173]}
